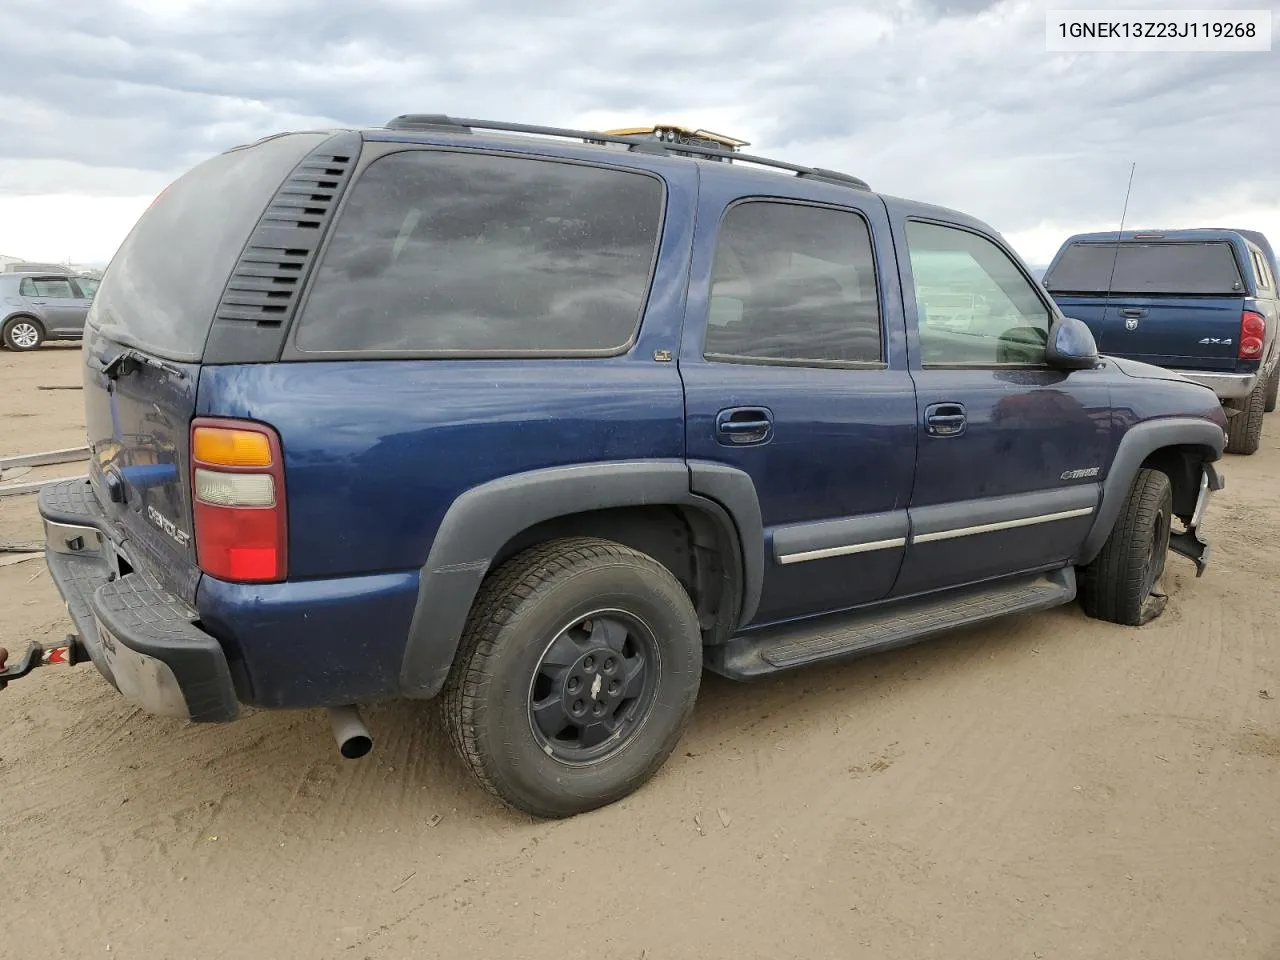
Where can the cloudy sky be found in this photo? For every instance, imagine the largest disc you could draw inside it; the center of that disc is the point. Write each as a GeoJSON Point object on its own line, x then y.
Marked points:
{"type": "Point", "coordinates": [102, 102]}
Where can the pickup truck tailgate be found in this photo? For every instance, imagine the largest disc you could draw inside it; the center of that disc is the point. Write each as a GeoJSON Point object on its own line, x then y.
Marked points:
{"type": "Point", "coordinates": [1200, 333]}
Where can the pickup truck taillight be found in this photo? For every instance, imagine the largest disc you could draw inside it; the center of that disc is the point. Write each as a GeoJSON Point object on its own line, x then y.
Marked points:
{"type": "Point", "coordinates": [1253, 331]}
{"type": "Point", "coordinates": [237, 490]}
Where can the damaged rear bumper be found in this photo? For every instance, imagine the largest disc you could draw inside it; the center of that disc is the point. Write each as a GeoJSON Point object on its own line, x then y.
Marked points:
{"type": "Point", "coordinates": [142, 638]}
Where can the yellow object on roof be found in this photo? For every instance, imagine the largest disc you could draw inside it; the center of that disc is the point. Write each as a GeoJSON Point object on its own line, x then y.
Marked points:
{"type": "Point", "coordinates": [674, 133]}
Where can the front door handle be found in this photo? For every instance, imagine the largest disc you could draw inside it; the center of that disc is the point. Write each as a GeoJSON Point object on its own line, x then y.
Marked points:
{"type": "Point", "coordinates": [1133, 312]}
{"type": "Point", "coordinates": [945, 419]}
{"type": "Point", "coordinates": [743, 425]}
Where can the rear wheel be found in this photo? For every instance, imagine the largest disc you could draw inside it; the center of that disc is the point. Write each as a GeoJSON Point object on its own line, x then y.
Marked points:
{"type": "Point", "coordinates": [22, 333]}
{"type": "Point", "coordinates": [1244, 430]}
{"type": "Point", "coordinates": [1273, 388]}
{"type": "Point", "coordinates": [1122, 584]}
{"type": "Point", "coordinates": [575, 678]}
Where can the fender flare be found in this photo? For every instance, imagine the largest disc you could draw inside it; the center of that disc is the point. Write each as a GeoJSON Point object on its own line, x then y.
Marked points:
{"type": "Point", "coordinates": [483, 519]}
{"type": "Point", "coordinates": [1135, 446]}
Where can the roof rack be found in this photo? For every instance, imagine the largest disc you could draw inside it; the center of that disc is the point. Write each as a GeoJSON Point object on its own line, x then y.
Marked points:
{"type": "Point", "coordinates": [638, 144]}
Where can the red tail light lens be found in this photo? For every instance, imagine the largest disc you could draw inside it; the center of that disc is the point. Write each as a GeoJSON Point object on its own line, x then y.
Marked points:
{"type": "Point", "coordinates": [237, 488]}
{"type": "Point", "coordinates": [1253, 330]}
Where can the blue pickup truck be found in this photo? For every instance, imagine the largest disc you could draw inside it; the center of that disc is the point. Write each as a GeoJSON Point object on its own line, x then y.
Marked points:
{"type": "Point", "coordinates": [1202, 302]}
{"type": "Point", "coordinates": [539, 423]}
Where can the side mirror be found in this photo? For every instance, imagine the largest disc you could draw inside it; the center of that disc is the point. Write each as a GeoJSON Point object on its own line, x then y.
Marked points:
{"type": "Point", "coordinates": [1071, 345]}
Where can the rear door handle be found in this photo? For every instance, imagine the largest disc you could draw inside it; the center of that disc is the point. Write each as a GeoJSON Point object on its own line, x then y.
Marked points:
{"type": "Point", "coordinates": [738, 426]}
{"type": "Point", "coordinates": [945, 419]}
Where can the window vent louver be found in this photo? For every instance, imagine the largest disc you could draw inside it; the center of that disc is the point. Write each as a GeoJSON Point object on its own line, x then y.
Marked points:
{"type": "Point", "coordinates": [269, 276]}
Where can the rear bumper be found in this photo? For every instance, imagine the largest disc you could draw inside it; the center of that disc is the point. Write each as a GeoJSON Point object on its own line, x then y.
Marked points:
{"type": "Point", "coordinates": [142, 638]}
{"type": "Point", "coordinates": [1228, 386]}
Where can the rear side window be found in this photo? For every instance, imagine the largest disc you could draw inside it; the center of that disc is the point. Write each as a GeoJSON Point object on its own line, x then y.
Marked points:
{"type": "Point", "coordinates": [1260, 271]}
{"type": "Point", "coordinates": [793, 284]}
{"type": "Point", "coordinates": [163, 285]}
{"type": "Point", "coordinates": [462, 253]}
{"type": "Point", "coordinates": [1147, 269]}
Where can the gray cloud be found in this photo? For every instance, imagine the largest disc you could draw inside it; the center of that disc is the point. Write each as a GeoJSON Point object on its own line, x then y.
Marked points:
{"type": "Point", "coordinates": [950, 101]}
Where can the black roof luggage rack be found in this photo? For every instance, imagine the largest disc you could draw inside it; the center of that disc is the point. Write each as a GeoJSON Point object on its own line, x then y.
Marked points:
{"type": "Point", "coordinates": [443, 123]}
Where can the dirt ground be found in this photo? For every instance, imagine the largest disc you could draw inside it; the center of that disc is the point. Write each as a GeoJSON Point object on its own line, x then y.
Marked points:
{"type": "Point", "coordinates": [1043, 787]}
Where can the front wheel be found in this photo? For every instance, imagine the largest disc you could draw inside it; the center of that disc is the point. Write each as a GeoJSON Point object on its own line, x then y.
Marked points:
{"type": "Point", "coordinates": [1122, 584]}
{"type": "Point", "coordinates": [576, 676]}
{"type": "Point", "coordinates": [22, 333]}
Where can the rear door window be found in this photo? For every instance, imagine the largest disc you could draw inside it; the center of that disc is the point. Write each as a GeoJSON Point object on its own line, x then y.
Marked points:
{"type": "Point", "coordinates": [1147, 269]}
{"type": "Point", "coordinates": [47, 288]}
{"type": "Point", "coordinates": [450, 253]}
{"type": "Point", "coordinates": [793, 284]}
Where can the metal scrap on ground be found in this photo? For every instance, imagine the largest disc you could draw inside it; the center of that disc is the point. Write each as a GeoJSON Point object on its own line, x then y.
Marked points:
{"type": "Point", "coordinates": [19, 489]}
{"type": "Point", "coordinates": [45, 458]}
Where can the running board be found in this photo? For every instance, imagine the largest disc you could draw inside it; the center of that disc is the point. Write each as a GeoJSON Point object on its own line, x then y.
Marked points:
{"type": "Point", "coordinates": [887, 625]}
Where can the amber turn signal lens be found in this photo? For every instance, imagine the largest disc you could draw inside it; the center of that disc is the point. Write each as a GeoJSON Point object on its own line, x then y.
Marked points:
{"type": "Point", "coordinates": [225, 447]}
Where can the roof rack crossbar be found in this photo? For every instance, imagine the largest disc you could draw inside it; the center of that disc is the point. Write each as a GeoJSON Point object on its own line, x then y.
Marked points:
{"type": "Point", "coordinates": [643, 144]}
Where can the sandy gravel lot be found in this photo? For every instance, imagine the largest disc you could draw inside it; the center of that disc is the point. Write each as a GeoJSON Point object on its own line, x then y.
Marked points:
{"type": "Point", "coordinates": [1044, 787]}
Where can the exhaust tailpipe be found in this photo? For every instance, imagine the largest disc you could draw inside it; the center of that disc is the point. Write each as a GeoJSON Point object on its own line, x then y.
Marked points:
{"type": "Point", "coordinates": [350, 732]}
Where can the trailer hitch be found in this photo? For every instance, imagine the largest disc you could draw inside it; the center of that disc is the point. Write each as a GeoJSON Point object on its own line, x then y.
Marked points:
{"type": "Point", "coordinates": [68, 653]}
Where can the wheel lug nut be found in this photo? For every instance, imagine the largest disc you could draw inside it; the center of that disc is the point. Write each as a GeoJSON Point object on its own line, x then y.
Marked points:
{"type": "Point", "coordinates": [609, 665]}
{"type": "Point", "coordinates": [614, 687]}
{"type": "Point", "coordinates": [598, 709]}
{"type": "Point", "coordinates": [578, 707]}
{"type": "Point", "coordinates": [589, 663]}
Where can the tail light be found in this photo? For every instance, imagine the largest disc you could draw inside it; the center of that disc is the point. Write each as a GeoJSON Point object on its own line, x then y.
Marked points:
{"type": "Point", "coordinates": [237, 484]}
{"type": "Point", "coordinates": [1253, 330]}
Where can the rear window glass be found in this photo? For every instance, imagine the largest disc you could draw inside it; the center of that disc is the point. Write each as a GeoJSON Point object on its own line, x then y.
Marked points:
{"type": "Point", "coordinates": [1147, 269]}
{"type": "Point", "coordinates": [164, 283]}
{"type": "Point", "coordinates": [453, 253]}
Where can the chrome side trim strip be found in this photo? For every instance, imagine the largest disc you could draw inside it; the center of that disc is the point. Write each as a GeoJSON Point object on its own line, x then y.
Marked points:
{"type": "Point", "coordinates": [1002, 525]}
{"type": "Point", "coordinates": [843, 551]}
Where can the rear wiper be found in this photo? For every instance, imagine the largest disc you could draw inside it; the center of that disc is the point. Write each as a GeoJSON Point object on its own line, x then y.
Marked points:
{"type": "Point", "coordinates": [114, 368]}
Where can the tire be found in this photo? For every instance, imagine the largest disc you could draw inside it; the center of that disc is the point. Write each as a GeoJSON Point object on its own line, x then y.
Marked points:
{"type": "Point", "coordinates": [1244, 430]}
{"type": "Point", "coordinates": [1122, 584]}
{"type": "Point", "coordinates": [22, 334]}
{"type": "Point", "coordinates": [547, 623]}
{"type": "Point", "coordinates": [1273, 389]}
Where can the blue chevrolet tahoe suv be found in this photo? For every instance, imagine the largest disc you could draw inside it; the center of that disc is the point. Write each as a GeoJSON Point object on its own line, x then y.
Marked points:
{"type": "Point", "coordinates": [1202, 302]}
{"type": "Point", "coordinates": [541, 422]}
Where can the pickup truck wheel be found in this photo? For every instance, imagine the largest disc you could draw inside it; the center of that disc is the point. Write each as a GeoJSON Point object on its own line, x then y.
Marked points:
{"type": "Point", "coordinates": [1273, 389]}
{"type": "Point", "coordinates": [22, 333]}
{"type": "Point", "coordinates": [1244, 430]}
{"type": "Point", "coordinates": [1122, 584]}
{"type": "Point", "coordinates": [575, 678]}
